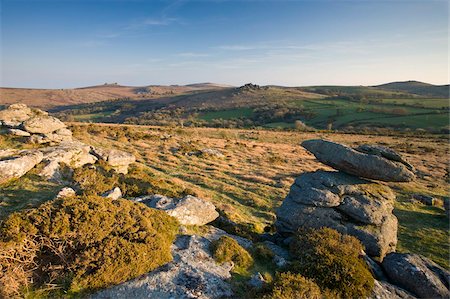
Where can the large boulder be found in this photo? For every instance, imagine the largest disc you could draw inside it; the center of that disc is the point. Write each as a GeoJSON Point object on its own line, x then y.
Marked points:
{"type": "Point", "coordinates": [193, 273]}
{"type": "Point", "coordinates": [371, 164]}
{"type": "Point", "coordinates": [119, 160]}
{"type": "Point", "coordinates": [18, 165]}
{"type": "Point", "coordinates": [343, 202]}
{"type": "Point", "coordinates": [417, 274]}
{"type": "Point", "coordinates": [189, 210]}
{"type": "Point", "coordinates": [43, 124]}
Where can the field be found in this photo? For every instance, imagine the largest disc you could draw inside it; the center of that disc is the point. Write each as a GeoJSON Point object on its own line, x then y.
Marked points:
{"type": "Point", "coordinates": [255, 175]}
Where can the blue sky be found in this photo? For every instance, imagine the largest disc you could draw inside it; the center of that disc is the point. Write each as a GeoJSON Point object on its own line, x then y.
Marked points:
{"type": "Point", "coordinates": [70, 43]}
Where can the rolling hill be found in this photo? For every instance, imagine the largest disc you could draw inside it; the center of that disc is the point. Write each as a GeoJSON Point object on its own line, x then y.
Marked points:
{"type": "Point", "coordinates": [418, 88]}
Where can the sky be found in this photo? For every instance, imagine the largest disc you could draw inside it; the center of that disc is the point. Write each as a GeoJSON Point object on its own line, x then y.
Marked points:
{"type": "Point", "coordinates": [74, 43]}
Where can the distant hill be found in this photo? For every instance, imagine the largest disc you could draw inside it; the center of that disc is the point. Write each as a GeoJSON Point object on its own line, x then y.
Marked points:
{"type": "Point", "coordinates": [49, 98]}
{"type": "Point", "coordinates": [418, 88]}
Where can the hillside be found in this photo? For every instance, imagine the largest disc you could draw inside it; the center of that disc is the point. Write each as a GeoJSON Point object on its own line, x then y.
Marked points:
{"type": "Point", "coordinates": [48, 98]}
{"type": "Point", "coordinates": [344, 108]}
{"type": "Point", "coordinates": [418, 88]}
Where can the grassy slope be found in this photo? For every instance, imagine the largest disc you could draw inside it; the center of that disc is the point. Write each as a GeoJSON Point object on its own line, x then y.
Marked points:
{"type": "Point", "coordinates": [255, 176]}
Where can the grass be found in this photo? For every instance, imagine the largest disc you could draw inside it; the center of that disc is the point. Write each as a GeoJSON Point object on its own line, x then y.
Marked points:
{"type": "Point", "coordinates": [427, 103]}
{"type": "Point", "coordinates": [423, 230]}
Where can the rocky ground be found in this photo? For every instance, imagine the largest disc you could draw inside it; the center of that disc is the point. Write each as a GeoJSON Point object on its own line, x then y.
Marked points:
{"type": "Point", "coordinates": [245, 182]}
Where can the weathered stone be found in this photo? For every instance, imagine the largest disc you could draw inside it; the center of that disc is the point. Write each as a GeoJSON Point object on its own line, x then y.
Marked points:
{"type": "Point", "coordinates": [193, 273]}
{"type": "Point", "coordinates": [385, 290]}
{"type": "Point", "coordinates": [119, 160]}
{"type": "Point", "coordinates": [189, 210]}
{"type": "Point", "coordinates": [425, 199]}
{"type": "Point", "coordinates": [18, 132]}
{"type": "Point", "coordinates": [257, 281]}
{"type": "Point", "coordinates": [43, 124]}
{"type": "Point", "coordinates": [446, 201]}
{"type": "Point", "coordinates": [346, 203]}
{"type": "Point", "coordinates": [113, 194]}
{"type": "Point", "coordinates": [346, 159]}
{"type": "Point", "coordinates": [15, 114]}
{"type": "Point", "coordinates": [417, 274]}
{"type": "Point", "coordinates": [384, 152]}
{"type": "Point", "coordinates": [17, 166]}
{"type": "Point", "coordinates": [74, 154]}
{"type": "Point", "coordinates": [66, 192]}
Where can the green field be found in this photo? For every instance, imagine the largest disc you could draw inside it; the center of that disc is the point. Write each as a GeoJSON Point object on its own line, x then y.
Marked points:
{"type": "Point", "coordinates": [426, 103]}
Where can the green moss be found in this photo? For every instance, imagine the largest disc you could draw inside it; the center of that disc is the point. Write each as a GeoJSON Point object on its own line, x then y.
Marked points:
{"type": "Point", "coordinates": [226, 249]}
{"type": "Point", "coordinates": [87, 243]}
{"type": "Point", "coordinates": [333, 261]}
{"type": "Point", "coordinates": [289, 285]}
{"type": "Point", "coordinates": [263, 253]}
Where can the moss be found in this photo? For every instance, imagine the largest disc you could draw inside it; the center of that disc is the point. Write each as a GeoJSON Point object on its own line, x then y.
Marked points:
{"type": "Point", "coordinates": [333, 261]}
{"type": "Point", "coordinates": [87, 243]}
{"type": "Point", "coordinates": [226, 249]}
{"type": "Point", "coordinates": [263, 253]}
{"type": "Point", "coordinates": [289, 285]}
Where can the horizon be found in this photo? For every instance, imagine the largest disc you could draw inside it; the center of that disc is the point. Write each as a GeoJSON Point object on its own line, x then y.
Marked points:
{"type": "Point", "coordinates": [70, 44]}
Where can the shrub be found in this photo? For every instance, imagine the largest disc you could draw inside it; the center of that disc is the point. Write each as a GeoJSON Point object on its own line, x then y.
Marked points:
{"type": "Point", "coordinates": [289, 285]}
{"type": "Point", "coordinates": [83, 243]}
{"type": "Point", "coordinates": [333, 261]}
{"type": "Point", "coordinates": [226, 249]}
{"type": "Point", "coordinates": [262, 252]}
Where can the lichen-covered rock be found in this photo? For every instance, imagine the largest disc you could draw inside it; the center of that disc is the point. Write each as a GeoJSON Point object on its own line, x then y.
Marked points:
{"type": "Point", "coordinates": [43, 124]}
{"type": "Point", "coordinates": [15, 114]}
{"type": "Point", "coordinates": [113, 194]}
{"type": "Point", "coordinates": [377, 165]}
{"type": "Point", "coordinates": [65, 192]}
{"type": "Point", "coordinates": [417, 274]}
{"type": "Point", "coordinates": [73, 154]}
{"type": "Point", "coordinates": [385, 290]}
{"type": "Point", "coordinates": [18, 165]}
{"type": "Point", "coordinates": [189, 210]}
{"type": "Point", "coordinates": [346, 203]}
{"type": "Point", "coordinates": [193, 273]}
{"type": "Point", "coordinates": [119, 160]}
{"type": "Point", "coordinates": [17, 132]}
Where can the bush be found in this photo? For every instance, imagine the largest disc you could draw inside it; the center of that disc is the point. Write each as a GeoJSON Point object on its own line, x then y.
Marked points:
{"type": "Point", "coordinates": [288, 285]}
{"type": "Point", "coordinates": [263, 253]}
{"type": "Point", "coordinates": [333, 261]}
{"type": "Point", "coordinates": [226, 249]}
{"type": "Point", "coordinates": [81, 244]}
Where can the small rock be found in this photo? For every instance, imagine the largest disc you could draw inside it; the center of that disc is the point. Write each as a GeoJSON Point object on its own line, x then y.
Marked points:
{"type": "Point", "coordinates": [114, 194]}
{"type": "Point", "coordinates": [189, 210]}
{"type": "Point", "coordinates": [17, 166]}
{"type": "Point", "coordinates": [417, 274]}
{"type": "Point", "coordinates": [65, 192]}
{"type": "Point", "coordinates": [257, 281]}
{"type": "Point", "coordinates": [119, 160]}
{"type": "Point", "coordinates": [18, 132]}
{"type": "Point", "coordinates": [446, 201]}
{"type": "Point", "coordinates": [425, 199]}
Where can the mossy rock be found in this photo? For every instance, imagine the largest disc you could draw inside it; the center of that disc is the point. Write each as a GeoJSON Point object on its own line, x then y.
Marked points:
{"type": "Point", "coordinates": [226, 249]}
{"type": "Point", "coordinates": [333, 261]}
{"type": "Point", "coordinates": [86, 243]}
{"type": "Point", "coordinates": [290, 285]}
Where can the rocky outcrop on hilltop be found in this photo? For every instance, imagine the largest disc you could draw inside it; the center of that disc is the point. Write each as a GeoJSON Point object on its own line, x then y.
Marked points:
{"type": "Point", "coordinates": [346, 200]}
{"type": "Point", "coordinates": [54, 144]}
{"type": "Point", "coordinates": [343, 202]}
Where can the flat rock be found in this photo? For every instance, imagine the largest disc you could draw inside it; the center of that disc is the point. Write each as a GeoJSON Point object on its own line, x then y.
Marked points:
{"type": "Point", "coordinates": [193, 273]}
{"type": "Point", "coordinates": [17, 132]}
{"type": "Point", "coordinates": [15, 114]}
{"type": "Point", "coordinates": [346, 203]}
{"type": "Point", "coordinates": [65, 192]}
{"type": "Point", "coordinates": [43, 124]}
{"type": "Point", "coordinates": [367, 165]}
{"type": "Point", "coordinates": [417, 274]}
{"type": "Point", "coordinates": [119, 160]}
{"type": "Point", "coordinates": [17, 166]}
{"type": "Point", "coordinates": [189, 210]}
